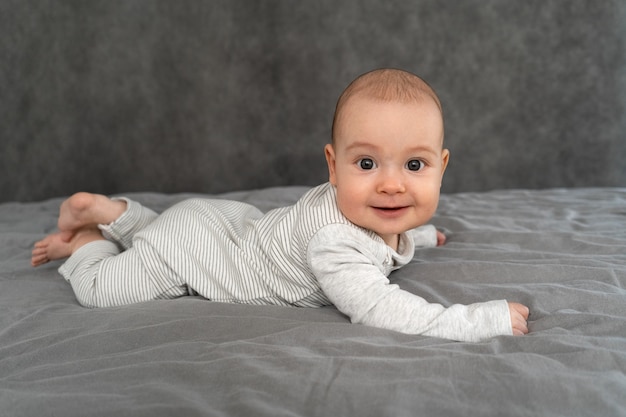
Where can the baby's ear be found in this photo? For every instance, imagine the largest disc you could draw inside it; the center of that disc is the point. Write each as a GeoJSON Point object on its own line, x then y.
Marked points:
{"type": "Point", "coordinates": [445, 155]}
{"type": "Point", "coordinates": [445, 158]}
{"type": "Point", "coordinates": [329, 152]}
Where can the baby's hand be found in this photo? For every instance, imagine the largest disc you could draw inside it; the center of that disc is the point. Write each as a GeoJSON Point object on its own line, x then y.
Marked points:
{"type": "Point", "coordinates": [441, 238]}
{"type": "Point", "coordinates": [519, 317]}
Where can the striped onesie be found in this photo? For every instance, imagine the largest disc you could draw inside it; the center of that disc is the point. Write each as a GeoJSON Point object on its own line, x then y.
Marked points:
{"type": "Point", "coordinates": [305, 255]}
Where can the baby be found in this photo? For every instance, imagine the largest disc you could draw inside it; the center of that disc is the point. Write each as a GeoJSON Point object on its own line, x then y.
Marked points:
{"type": "Point", "coordinates": [337, 245]}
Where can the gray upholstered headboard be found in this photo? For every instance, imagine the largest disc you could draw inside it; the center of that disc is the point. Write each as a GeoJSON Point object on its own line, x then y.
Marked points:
{"type": "Point", "coordinates": [113, 96]}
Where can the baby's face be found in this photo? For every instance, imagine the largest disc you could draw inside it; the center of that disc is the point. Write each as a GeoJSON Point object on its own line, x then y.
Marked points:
{"type": "Point", "coordinates": [387, 164]}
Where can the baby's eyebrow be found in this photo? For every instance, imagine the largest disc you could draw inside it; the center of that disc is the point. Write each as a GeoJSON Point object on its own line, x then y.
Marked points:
{"type": "Point", "coordinates": [372, 147]}
{"type": "Point", "coordinates": [359, 145]}
{"type": "Point", "coordinates": [423, 149]}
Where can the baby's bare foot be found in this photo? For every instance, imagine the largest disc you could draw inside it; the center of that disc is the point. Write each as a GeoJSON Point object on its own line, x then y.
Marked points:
{"type": "Point", "coordinates": [62, 245]}
{"type": "Point", "coordinates": [85, 209]}
{"type": "Point", "coordinates": [55, 246]}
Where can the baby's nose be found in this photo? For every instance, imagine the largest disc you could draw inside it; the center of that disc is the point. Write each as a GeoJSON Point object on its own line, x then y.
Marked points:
{"type": "Point", "coordinates": [391, 183]}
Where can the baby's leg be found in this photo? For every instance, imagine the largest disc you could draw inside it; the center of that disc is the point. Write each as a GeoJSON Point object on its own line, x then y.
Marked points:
{"type": "Point", "coordinates": [133, 220]}
{"type": "Point", "coordinates": [101, 276]}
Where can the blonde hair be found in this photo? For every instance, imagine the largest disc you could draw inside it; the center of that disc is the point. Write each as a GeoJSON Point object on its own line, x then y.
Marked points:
{"type": "Point", "coordinates": [386, 85]}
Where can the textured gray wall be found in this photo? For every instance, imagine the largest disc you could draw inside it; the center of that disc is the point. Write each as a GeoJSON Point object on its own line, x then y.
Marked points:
{"type": "Point", "coordinates": [113, 96]}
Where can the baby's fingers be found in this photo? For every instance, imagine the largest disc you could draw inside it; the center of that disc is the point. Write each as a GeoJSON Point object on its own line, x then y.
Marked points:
{"type": "Point", "coordinates": [520, 308]}
{"type": "Point", "coordinates": [519, 316]}
{"type": "Point", "coordinates": [520, 328]}
{"type": "Point", "coordinates": [441, 238]}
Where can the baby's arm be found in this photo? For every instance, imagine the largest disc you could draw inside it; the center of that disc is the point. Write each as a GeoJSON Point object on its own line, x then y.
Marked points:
{"type": "Point", "coordinates": [354, 283]}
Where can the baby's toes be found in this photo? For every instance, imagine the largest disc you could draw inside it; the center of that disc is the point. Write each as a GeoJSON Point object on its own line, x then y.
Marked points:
{"type": "Point", "coordinates": [39, 259]}
{"type": "Point", "coordinates": [41, 245]}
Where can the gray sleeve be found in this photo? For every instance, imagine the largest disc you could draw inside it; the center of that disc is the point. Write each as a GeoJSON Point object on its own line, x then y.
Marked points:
{"type": "Point", "coordinates": [350, 272]}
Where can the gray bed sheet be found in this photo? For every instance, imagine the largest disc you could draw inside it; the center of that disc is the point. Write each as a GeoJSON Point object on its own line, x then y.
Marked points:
{"type": "Point", "coordinates": [560, 251]}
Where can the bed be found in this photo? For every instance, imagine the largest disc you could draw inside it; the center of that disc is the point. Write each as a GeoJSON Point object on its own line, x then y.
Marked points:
{"type": "Point", "coordinates": [562, 252]}
{"type": "Point", "coordinates": [162, 100]}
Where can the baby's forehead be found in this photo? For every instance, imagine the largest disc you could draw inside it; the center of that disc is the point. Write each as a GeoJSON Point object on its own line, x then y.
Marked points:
{"type": "Point", "coordinates": [362, 113]}
{"type": "Point", "coordinates": [421, 103]}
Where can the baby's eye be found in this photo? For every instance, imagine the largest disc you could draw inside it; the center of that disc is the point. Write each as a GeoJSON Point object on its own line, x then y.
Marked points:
{"type": "Point", "coordinates": [414, 165]}
{"type": "Point", "coordinates": [366, 163]}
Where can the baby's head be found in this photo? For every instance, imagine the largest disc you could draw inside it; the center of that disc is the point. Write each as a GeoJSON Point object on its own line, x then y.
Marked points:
{"type": "Point", "coordinates": [387, 159]}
